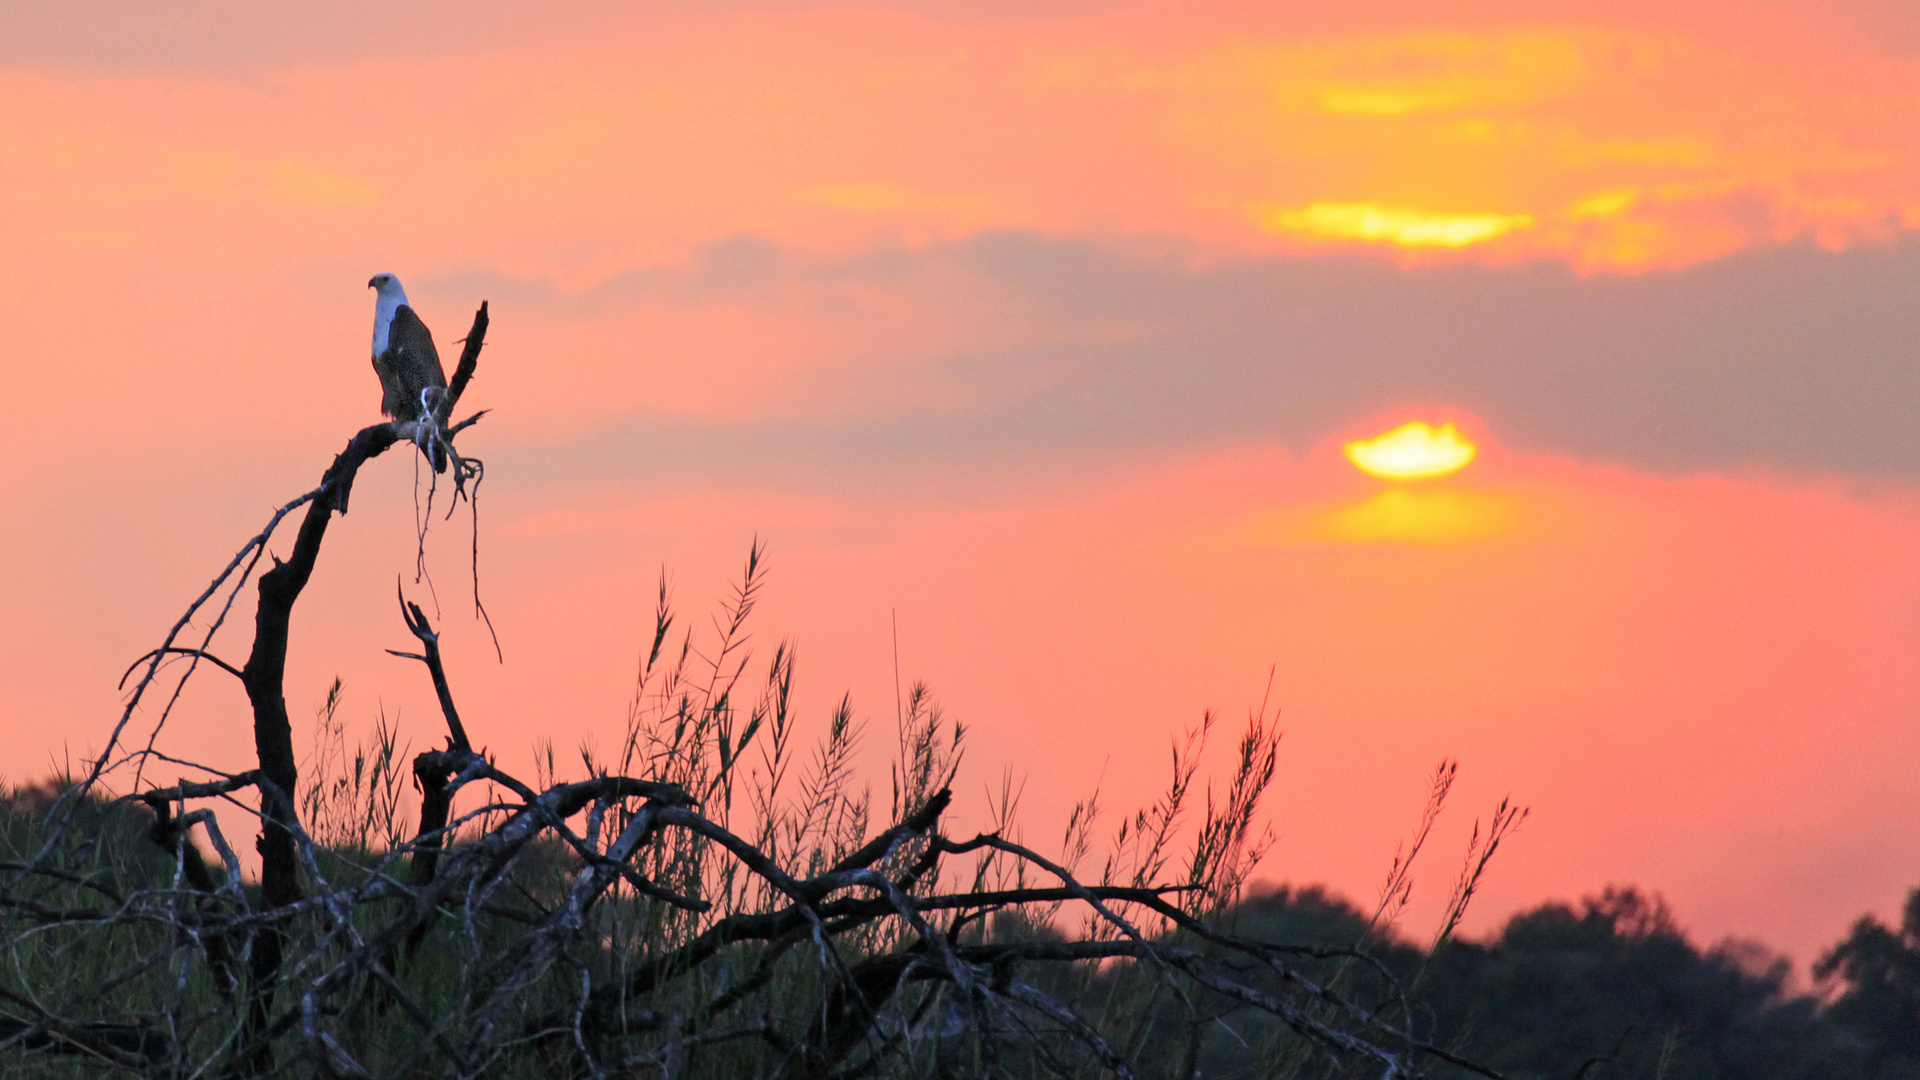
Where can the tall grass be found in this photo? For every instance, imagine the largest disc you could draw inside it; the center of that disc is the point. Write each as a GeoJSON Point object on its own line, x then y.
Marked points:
{"type": "Point", "coordinates": [716, 897]}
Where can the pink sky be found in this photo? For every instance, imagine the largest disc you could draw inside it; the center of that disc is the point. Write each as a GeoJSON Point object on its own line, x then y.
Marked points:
{"type": "Point", "coordinates": [1040, 328]}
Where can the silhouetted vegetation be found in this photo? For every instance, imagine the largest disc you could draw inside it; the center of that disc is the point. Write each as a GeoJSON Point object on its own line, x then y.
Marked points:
{"type": "Point", "coordinates": [1877, 1011]}
{"type": "Point", "coordinates": [1608, 988]}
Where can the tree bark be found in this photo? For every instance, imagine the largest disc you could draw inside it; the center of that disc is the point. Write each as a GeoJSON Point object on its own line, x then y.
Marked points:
{"type": "Point", "coordinates": [265, 677]}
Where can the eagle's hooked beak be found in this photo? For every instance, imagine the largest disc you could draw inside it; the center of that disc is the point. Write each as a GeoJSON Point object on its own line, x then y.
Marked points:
{"type": "Point", "coordinates": [373, 282]}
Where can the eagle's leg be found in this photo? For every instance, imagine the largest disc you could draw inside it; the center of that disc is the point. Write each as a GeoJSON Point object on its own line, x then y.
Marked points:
{"type": "Point", "coordinates": [423, 434]}
{"type": "Point", "coordinates": [430, 431]}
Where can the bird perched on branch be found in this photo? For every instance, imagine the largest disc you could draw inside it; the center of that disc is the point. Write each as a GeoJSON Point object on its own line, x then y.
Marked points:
{"type": "Point", "coordinates": [415, 387]}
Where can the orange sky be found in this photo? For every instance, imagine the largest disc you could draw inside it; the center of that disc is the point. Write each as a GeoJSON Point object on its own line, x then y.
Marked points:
{"type": "Point", "coordinates": [1040, 325]}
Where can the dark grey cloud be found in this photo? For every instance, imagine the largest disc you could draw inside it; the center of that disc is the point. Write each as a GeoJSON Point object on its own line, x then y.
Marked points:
{"type": "Point", "coordinates": [220, 35]}
{"type": "Point", "coordinates": [225, 35]}
{"type": "Point", "coordinates": [1791, 358]}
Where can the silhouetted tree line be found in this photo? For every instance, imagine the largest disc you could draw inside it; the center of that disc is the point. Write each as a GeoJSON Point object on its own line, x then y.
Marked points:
{"type": "Point", "coordinates": [1608, 989]}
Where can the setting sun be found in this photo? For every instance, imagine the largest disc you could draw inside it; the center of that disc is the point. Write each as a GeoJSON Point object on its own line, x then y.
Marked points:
{"type": "Point", "coordinates": [1412, 451]}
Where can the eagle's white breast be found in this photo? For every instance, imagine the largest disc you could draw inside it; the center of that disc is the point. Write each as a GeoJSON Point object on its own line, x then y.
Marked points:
{"type": "Point", "coordinates": [387, 300]}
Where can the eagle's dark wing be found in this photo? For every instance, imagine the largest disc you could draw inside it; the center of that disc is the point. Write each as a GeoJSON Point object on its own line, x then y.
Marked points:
{"type": "Point", "coordinates": [410, 364]}
{"type": "Point", "coordinates": [412, 383]}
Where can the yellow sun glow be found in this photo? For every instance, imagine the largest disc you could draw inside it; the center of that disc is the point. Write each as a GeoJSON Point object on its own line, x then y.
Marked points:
{"type": "Point", "coordinates": [1412, 451]}
{"type": "Point", "coordinates": [1403, 516]}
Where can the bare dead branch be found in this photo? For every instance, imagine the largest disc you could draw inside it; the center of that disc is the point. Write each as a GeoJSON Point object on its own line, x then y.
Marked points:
{"type": "Point", "coordinates": [475, 340]}
{"type": "Point", "coordinates": [418, 625]}
{"type": "Point", "coordinates": [171, 650]}
{"type": "Point", "coordinates": [160, 796]}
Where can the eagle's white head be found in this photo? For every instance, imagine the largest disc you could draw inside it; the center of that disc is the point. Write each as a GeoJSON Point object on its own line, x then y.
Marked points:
{"type": "Point", "coordinates": [388, 298]}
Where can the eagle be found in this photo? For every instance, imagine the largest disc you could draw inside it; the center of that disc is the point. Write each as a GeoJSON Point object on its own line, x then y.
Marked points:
{"type": "Point", "coordinates": [414, 388]}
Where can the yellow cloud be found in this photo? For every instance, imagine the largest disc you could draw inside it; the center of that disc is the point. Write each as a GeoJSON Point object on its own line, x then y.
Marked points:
{"type": "Point", "coordinates": [1679, 150]}
{"type": "Point", "coordinates": [304, 183]}
{"type": "Point", "coordinates": [222, 173]}
{"type": "Point", "coordinates": [1415, 73]}
{"type": "Point", "coordinates": [1605, 204]}
{"type": "Point", "coordinates": [1356, 101]}
{"type": "Point", "coordinates": [893, 199]}
{"type": "Point", "coordinates": [1390, 224]}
